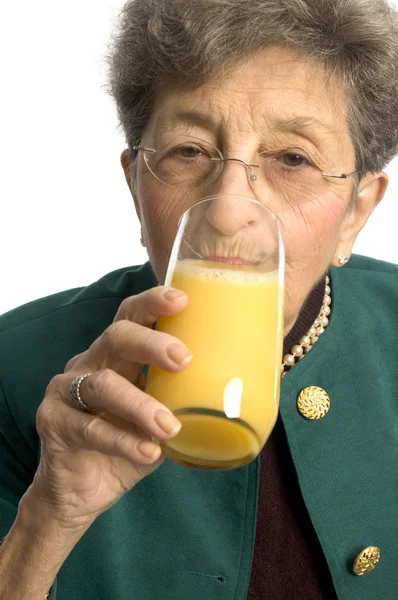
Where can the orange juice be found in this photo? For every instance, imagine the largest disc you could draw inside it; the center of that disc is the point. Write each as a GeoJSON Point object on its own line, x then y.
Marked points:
{"type": "Point", "coordinates": [227, 399]}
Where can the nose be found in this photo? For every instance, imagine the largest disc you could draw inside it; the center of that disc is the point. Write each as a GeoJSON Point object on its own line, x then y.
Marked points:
{"type": "Point", "coordinates": [228, 213]}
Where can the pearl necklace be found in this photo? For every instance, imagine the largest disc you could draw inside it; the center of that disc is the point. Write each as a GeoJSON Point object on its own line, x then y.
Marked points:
{"type": "Point", "coordinates": [312, 336]}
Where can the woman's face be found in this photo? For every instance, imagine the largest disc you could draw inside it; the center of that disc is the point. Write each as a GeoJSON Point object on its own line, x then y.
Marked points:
{"type": "Point", "coordinates": [274, 101]}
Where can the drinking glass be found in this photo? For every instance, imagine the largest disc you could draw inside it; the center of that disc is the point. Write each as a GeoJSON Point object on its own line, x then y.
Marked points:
{"type": "Point", "coordinates": [228, 257]}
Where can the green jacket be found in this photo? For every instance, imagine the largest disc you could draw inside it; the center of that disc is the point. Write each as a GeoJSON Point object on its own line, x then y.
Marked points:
{"type": "Point", "coordinates": [183, 534]}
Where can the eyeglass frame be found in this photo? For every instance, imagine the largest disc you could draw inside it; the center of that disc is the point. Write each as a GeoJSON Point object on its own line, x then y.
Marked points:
{"type": "Point", "coordinates": [246, 164]}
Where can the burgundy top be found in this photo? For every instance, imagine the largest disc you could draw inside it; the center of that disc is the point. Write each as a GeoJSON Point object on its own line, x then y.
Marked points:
{"type": "Point", "coordinates": [288, 561]}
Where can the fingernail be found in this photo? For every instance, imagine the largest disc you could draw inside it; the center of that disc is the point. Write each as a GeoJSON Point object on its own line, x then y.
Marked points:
{"type": "Point", "coordinates": [179, 354]}
{"type": "Point", "coordinates": [167, 422]}
{"type": "Point", "coordinates": [173, 295]}
{"type": "Point", "coordinates": [148, 449]}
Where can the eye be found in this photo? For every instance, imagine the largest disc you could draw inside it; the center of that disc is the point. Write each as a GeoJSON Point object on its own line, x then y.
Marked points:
{"type": "Point", "coordinates": [189, 152]}
{"type": "Point", "coordinates": [292, 159]}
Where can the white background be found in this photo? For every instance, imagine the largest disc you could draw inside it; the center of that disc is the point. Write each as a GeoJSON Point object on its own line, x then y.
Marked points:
{"type": "Point", "coordinates": [67, 217]}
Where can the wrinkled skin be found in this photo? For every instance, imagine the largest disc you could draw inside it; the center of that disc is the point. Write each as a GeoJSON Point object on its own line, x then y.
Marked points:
{"type": "Point", "coordinates": [239, 116]}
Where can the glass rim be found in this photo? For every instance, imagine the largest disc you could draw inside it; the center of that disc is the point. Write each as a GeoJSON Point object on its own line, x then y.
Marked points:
{"type": "Point", "coordinates": [173, 258]}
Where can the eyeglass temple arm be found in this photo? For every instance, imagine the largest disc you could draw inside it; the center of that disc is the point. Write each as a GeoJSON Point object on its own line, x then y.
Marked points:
{"type": "Point", "coordinates": [343, 176]}
{"type": "Point", "coordinates": [143, 149]}
{"type": "Point", "coordinates": [224, 160]}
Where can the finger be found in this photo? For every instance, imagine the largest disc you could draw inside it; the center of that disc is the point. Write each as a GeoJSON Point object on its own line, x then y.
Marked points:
{"type": "Point", "coordinates": [147, 307]}
{"type": "Point", "coordinates": [141, 308]}
{"type": "Point", "coordinates": [109, 392]}
{"type": "Point", "coordinates": [126, 341]}
{"type": "Point", "coordinates": [72, 430]}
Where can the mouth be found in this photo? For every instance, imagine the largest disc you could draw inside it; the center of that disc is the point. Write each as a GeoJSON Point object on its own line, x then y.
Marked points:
{"type": "Point", "coordinates": [232, 260]}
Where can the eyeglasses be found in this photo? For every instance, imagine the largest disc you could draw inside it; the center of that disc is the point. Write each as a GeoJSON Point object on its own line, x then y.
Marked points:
{"type": "Point", "coordinates": [196, 163]}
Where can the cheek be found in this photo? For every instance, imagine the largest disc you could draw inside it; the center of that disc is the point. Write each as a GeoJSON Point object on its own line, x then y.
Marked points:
{"type": "Point", "coordinates": [311, 234]}
{"type": "Point", "coordinates": [311, 231]}
{"type": "Point", "coordinates": [161, 208]}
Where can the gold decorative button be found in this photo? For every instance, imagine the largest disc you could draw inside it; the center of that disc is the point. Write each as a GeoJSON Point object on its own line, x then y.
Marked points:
{"type": "Point", "coordinates": [366, 560]}
{"type": "Point", "coordinates": [313, 402]}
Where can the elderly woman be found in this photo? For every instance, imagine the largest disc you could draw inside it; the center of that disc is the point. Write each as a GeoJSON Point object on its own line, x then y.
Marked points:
{"type": "Point", "coordinates": [89, 507]}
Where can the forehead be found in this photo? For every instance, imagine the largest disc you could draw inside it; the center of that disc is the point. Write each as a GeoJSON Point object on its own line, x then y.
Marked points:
{"type": "Point", "coordinates": [275, 86]}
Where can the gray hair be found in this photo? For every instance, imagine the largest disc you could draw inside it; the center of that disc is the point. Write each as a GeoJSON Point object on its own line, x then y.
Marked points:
{"type": "Point", "coordinates": [194, 40]}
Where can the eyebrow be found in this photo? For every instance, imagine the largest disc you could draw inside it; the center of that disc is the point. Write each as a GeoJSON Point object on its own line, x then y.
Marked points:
{"type": "Point", "coordinates": [193, 116]}
{"type": "Point", "coordinates": [299, 124]}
